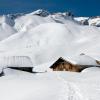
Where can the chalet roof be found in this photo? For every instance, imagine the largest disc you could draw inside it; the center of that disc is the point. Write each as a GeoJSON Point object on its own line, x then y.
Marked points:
{"type": "Point", "coordinates": [61, 60]}
{"type": "Point", "coordinates": [81, 59]}
{"type": "Point", "coordinates": [15, 61]}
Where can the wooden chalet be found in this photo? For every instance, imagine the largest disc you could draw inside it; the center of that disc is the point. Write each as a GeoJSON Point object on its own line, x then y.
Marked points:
{"type": "Point", "coordinates": [64, 65]}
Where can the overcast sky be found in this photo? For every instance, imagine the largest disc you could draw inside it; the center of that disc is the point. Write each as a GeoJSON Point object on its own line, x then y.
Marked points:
{"type": "Point", "coordinates": [78, 7]}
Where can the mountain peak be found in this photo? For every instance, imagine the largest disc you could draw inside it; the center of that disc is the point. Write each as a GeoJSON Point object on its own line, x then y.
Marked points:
{"type": "Point", "coordinates": [41, 12]}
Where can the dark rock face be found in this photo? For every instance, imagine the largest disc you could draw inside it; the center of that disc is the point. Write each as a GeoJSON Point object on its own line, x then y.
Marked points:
{"type": "Point", "coordinates": [85, 22]}
{"type": "Point", "coordinates": [1, 74]}
{"type": "Point", "coordinates": [95, 21]}
{"type": "Point", "coordinates": [41, 12]}
{"type": "Point", "coordinates": [64, 14]}
{"type": "Point", "coordinates": [69, 14]}
{"type": "Point", "coordinates": [14, 16]}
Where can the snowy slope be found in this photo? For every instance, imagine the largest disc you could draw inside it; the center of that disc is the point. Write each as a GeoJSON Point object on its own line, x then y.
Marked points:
{"type": "Point", "coordinates": [6, 27]}
{"type": "Point", "coordinates": [35, 87]}
{"type": "Point", "coordinates": [28, 21]}
{"type": "Point", "coordinates": [52, 40]}
{"type": "Point", "coordinates": [47, 38]}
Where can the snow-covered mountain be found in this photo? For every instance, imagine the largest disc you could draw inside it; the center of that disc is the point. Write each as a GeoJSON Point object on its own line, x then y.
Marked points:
{"type": "Point", "coordinates": [82, 20]}
{"type": "Point", "coordinates": [94, 21]}
{"type": "Point", "coordinates": [45, 37]}
{"type": "Point", "coordinates": [91, 21]}
{"type": "Point", "coordinates": [6, 27]}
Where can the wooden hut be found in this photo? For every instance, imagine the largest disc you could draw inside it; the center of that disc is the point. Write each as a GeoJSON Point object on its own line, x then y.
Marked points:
{"type": "Point", "coordinates": [64, 65]}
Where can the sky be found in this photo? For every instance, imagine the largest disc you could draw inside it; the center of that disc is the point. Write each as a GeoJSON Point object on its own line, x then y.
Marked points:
{"type": "Point", "coordinates": [78, 7]}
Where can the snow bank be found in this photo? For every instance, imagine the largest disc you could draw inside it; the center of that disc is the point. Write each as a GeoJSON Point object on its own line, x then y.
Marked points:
{"type": "Point", "coordinates": [43, 67]}
{"type": "Point", "coordinates": [14, 72]}
{"type": "Point", "coordinates": [91, 69]}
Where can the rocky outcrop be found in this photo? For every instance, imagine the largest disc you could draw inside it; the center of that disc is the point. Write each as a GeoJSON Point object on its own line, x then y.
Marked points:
{"type": "Point", "coordinates": [94, 21]}
{"type": "Point", "coordinates": [41, 12]}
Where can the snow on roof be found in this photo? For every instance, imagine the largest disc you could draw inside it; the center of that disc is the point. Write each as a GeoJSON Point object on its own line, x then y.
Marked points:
{"type": "Point", "coordinates": [88, 60]}
{"type": "Point", "coordinates": [70, 60]}
{"type": "Point", "coordinates": [15, 61]}
{"type": "Point", "coordinates": [81, 59]}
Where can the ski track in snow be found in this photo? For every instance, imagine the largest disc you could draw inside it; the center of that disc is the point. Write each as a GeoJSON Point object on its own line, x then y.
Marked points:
{"type": "Point", "coordinates": [70, 91]}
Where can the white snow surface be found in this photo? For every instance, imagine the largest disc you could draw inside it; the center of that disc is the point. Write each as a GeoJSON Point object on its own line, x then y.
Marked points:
{"type": "Point", "coordinates": [19, 85]}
